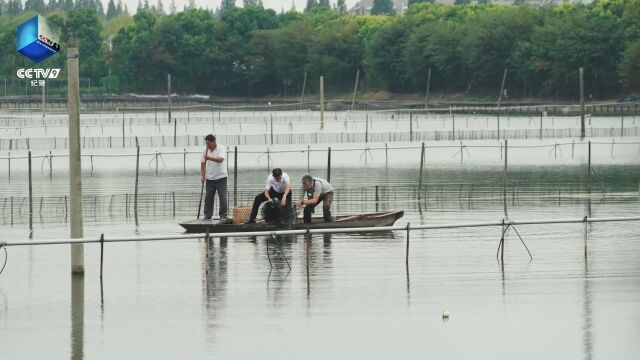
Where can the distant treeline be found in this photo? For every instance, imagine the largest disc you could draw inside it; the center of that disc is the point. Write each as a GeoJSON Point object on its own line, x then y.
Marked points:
{"type": "Point", "coordinates": [253, 51]}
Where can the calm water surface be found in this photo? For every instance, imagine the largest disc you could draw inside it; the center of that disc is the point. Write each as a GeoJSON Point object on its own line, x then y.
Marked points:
{"type": "Point", "coordinates": [354, 298]}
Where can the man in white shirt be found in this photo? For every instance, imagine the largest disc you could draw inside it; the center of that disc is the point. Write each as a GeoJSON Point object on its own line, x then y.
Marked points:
{"type": "Point", "coordinates": [213, 170]}
{"type": "Point", "coordinates": [318, 191]}
{"type": "Point", "coordinates": [278, 186]}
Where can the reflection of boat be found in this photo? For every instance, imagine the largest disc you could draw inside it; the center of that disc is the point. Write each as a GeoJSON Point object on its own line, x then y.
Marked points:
{"type": "Point", "coordinates": [344, 221]}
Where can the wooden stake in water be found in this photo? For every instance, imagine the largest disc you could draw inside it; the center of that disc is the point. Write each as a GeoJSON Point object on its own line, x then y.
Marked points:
{"type": "Point", "coordinates": [355, 89]}
{"type": "Point", "coordinates": [175, 131]}
{"type": "Point", "coordinates": [540, 126]}
{"type": "Point", "coordinates": [101, 255]}
{"type": "Point", "coordinates": [582, 126]}
{"type": "Point", "coordinates": [504, 78]}
{"type": "Point", "coordinates": [366, 128]}
{"type": "Point", "coordinates": [406, 258]}
{"type": "Point", "coordinates": [410, 126]}
{"type": "Point", "coordinates": [589, 169]}
{"type": "Point", "coordinates": [123, 129]}
{"type": "Point", "coordinates": [135, 199]}
{"type": "Point", "coordinates": [75, 166]}
{"type": "Point", "coordinates": [43, 102]}
{"type": "Point", "coordinates": [321, 102]}
{"type": "Point", "coordinates": [329, 164]}
{"type": "Point", "coordinates": [304, 85]}
{"type": "Point", "coordinates": [235, 176]}
{"type": "Point", "coordinates": [585, 237]}
{"type": "Point", "coordinates": [422, 154]}
{"type": "Point", "coordinates": [426, 99]}
{"type": "Point", "coordinates": [504, 184]}
{"type": "Point", "coordinates": [169, 96]}
{"type": "Point", "coordinates": [30, 195]}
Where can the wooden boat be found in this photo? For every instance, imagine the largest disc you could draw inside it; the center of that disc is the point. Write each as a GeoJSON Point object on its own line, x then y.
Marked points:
{"type": "Point", "coordinates": [345, 221]}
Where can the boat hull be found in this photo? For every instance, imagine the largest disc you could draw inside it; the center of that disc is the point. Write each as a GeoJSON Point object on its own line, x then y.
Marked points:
{"type": "Point", "coordinates": [345, 221]}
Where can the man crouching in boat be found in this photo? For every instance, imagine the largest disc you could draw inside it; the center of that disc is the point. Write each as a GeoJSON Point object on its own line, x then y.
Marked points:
{"type": "Point", "coordinates": [318, 190]}
{"type": "Point", "coordinates": [214, 172]}
{"type": "Point", "coordinates": [278, 186]}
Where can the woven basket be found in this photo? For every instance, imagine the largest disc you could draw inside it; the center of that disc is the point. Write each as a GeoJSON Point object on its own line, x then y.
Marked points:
{"type": "Point", "coordinates": [241, 215]}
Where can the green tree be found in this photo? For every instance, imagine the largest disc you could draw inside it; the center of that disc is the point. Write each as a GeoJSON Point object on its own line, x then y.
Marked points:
{"type": "Point", "coordinates": [382, 60]}
{"type": "Point", "coordinates": [630, 67]}
{"type": "Point", "coordinates": [35, 5]}
{"type": "Point", "coordinates": [311, 4]}
{"type": "Point", "coordinates": [382, 7]}
{"type": "Point", "coordinates": [112, 11]}
{"type": "Point", "coordinates": [227, 6]}
{"type": "Point", "coordinates": [84, 29]}
{"type": "Point", "coordinates": [341, 6]}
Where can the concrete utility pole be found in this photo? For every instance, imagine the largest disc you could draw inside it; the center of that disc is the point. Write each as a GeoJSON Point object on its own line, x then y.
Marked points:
{"type": "Point", "coordinates": [321, 102]}
{"type": "Point", "coordinates": [169, 94]}
{"type": "Point", "coordinates": [75, 167]}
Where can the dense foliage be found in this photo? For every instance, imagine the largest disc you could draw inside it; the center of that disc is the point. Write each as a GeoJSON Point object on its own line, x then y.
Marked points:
{"type": "Point", "coordinates": [253, 51]}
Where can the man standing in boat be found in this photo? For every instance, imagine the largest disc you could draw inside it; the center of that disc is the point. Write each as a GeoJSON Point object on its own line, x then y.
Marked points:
{"type": "Point", "coordinates": [213, 170]}
{"type": "Point", "coordinates": [278, 186]}
{"type": "Point", "coordinates": [318, 190]}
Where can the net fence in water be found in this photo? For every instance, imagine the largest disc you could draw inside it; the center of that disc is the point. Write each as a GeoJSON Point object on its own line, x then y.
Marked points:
{"type": "Point", "coordinates": [434, 196]}
{"type": "Point", "coordinates": [100, 142]}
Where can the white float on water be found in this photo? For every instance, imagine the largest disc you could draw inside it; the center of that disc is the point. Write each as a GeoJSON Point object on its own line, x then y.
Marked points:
{"type": "Point", "coordinates": [445, 314]}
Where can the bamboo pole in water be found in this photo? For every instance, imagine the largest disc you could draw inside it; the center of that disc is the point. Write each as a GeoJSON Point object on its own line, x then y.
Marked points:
{"type": "Point", "coordinates": [30, 195]}
{"type": "Point", "coordinates": [329, 164]}
{"type": "Point", "coordinates": [135, 199]}
{"type": "Point", "coordinates": [235, 176]}
{"type": "Point", "coordinates": [422, 155]}
{"type": "Point", "coordinates": [355, 89]}
{"type": "Point", "coordinates": [504, 184]}
{"type": "Point", "coordinates": [321, 102]}
{"type": "Point", "coordinates": [169, 97]}
{"type": "Point", "coordinates": [582, 126]}
{"type": "Point", "coordinates": [426, 99]}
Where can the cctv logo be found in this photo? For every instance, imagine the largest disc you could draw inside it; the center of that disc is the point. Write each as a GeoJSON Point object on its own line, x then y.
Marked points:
{"type": "Point", "coordinates": [38, 73]}
{"type": "Point", "coordinates": [35, 40]}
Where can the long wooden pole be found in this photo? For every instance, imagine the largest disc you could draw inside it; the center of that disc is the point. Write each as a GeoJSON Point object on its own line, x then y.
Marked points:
{"type": "Point", "coordinates": [355, 89]}
{"type": "Point", "coordinates": [235, 176]}
{"type": "Point", "coordinates": [30, 194]}
{"type": "Point", "coordinates": [329, 164]}
{"type": "Point", "coordinates": [426, 99]}
{"type": "Point", "coordinates": [75, 166]}
{"type": "Point", "coordinates": [582, 126]}
{"type": "Point", "coordinates": [422, 154]}
{"type": "Point", "coordinates": [504, 78]}
{"type": "Point", "coordinates": [504, 184]}
{"type": "Point", "coordinates": [321, 102]}
{"type": "Point", "coordinates": [169, 96]}
{"type": "Point", "coordinates": [135, 199]}
{"type": "Point", "coordinates": [304, 85]}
